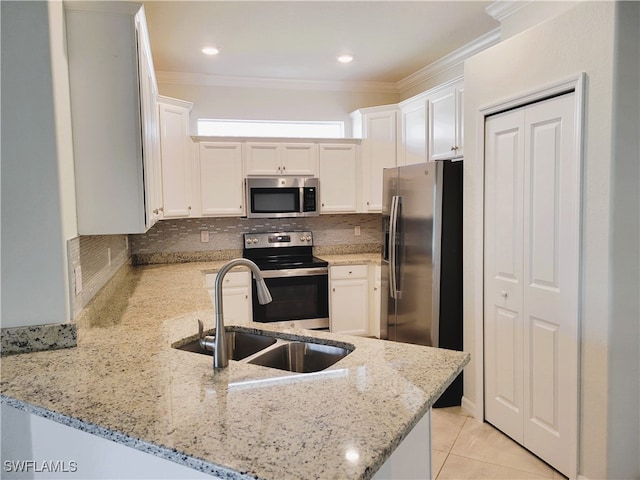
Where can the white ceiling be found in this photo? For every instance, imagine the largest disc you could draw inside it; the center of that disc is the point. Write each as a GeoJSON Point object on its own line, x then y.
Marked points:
{"type": "Point", "coordinates": [299, 40]}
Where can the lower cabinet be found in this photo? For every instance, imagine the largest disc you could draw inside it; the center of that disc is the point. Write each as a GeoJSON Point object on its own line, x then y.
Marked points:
{"type": "Point", "coordinates": [349, 299]}
{"type": "Point", "coordinates": [236, 296]}
{"type": "Point", "coordinates": [375, 302]}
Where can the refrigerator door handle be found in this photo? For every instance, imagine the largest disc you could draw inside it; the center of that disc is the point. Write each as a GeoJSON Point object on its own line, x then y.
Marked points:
{"type": "Point", "coordinates": [393, 228]}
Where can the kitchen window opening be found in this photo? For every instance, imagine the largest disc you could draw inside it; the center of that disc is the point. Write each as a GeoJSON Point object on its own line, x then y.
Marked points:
{"type": "Point", "coordinates": [270, 128]}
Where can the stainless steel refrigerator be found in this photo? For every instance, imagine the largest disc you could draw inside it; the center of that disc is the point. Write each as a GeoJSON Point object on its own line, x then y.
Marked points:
{"type": "Point", "coordinates": [422, 258]}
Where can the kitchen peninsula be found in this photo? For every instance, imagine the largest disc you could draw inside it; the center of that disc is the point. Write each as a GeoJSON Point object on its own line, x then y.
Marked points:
{"type": "Point", "coordinates": [124, 382]}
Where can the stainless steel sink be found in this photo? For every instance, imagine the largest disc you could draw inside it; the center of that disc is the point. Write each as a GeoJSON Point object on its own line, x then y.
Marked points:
{"type": "Point", "coordinates": [300, 357]}
{"type": "Point", "coordinates": [240, 345]}
{"type": "Point", "coordinates": [293, 355]}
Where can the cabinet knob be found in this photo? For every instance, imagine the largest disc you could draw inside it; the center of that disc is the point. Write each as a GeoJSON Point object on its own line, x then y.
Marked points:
{"type": "Point", "coordinates": [453, 149]}
{"type": "Point", "coordinates": [503, 294]}
{"type": "Point", "coordinates": [189, 207]}
{"type": "Point", "coordinates": [334, 289]}
{"type": "Point", "coordinates": [284, 168]}
{"type": "Point", "coordinates": [161, 209]}
{"type": "Point", "coordinates": [155, 211]}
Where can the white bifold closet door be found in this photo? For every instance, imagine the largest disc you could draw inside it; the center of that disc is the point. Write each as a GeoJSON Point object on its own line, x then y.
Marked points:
{"type": "Point", "coordinates": [531, 275]}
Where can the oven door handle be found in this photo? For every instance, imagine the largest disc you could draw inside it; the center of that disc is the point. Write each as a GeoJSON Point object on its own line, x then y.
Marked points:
{"type": "Point", "coordinates": [295, 272]}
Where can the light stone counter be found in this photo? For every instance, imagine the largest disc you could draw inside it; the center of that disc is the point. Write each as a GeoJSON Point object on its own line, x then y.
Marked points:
{"type": "Point", "coordinates": [126, 383]}
{"type": "Point", "coordinates": [352, 258]}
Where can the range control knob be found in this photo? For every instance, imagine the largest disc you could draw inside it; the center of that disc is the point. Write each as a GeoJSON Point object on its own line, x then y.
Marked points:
{"type": "Point", "coordinates": [308, 238]}
{"type": "Point", "coordinates": [302, 238]}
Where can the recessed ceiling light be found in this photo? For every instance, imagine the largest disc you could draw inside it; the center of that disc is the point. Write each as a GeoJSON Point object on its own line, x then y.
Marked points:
{"type": "Point", "coordinates": [209, 50]}
{"type": "Point", "coordinates": [345, 58]}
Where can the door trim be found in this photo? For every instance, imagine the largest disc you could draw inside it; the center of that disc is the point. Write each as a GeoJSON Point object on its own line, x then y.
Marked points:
{"type": "Point", "coordinates": [576, 84]}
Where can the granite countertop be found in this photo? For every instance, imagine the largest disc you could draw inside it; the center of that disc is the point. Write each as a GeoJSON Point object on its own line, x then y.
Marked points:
{"type": "Point", "coordinates": [125, 382]}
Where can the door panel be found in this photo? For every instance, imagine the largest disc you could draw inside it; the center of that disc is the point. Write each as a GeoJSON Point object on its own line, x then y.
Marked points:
{"type": "Point", "coordinates": [503, 273]}
{"type": "Point", "coordinates": [551, 246]}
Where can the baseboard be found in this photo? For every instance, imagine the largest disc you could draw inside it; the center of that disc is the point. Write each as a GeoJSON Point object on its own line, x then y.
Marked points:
{"type": "Point", "coordinates": [470, 407]}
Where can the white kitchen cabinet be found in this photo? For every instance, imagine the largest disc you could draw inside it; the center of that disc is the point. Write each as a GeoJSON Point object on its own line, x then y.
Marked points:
{"type": "Point", "coordinates": [236, 295]}
{"type": "Point", "coordinates": [445, 125]}
{"type": "Point", "coordinates": [349, 299]}
{"type": "Point", "coordinates": [279, 158]}
{"type": "Point", "coordinates": [338, 178]}
{"type": "Point", "coordinates": [412, 147]}
{"type": "Point", "coordinates": [378, 131]}
{"type": "Point", "coordinates": [114, 118]}
{"type": "Point", "coordinates": [177, 190]}
{"type": "Point", "coordinates": [375, 300]}
{"type": "Point", "coordinates": [221, 179]}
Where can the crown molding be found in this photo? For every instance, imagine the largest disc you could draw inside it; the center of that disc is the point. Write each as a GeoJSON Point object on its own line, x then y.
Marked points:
{"type": "Point", "coordinates": [449, 61]}
{"type": "Point", "coordinates": [439, 66]}
{"type": "Point", "coordinates": [503, 9]}
{"type": "Point", "coordinates": [180, 78]}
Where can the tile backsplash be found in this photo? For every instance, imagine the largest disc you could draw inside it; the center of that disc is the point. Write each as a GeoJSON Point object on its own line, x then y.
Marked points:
{"type": "Point", "coordinates": [178, 240]}
{"type": "Point", "coordinates": [100, 257]}
{"type": "Point", "coordinates": [183, 235]}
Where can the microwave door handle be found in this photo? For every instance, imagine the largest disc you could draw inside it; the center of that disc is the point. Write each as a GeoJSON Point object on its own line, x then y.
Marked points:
{"type": "Point", "coordinates": [393, 228]}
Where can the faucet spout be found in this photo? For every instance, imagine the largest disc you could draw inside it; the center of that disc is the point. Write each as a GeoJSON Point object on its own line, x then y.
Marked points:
{"type": "Point", "coordinates": [220, 359]}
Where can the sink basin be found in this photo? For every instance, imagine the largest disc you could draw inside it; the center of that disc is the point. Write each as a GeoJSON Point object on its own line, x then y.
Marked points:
{"type": "Point", "coordinates": [301, 357]}
{"type": "Point", "coordinates": [240, 345]}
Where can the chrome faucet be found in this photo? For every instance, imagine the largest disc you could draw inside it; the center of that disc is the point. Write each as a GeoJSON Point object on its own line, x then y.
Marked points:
{"type": "Point", "coordinates": [220, 359]}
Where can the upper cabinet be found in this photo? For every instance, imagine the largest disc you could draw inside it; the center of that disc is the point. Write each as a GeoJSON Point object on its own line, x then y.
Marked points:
{"type": "Point", "coordinates": [377, 127]}
{"type": "Point", "coordinates": [279, 158]}
{"type": "Point", "coordinates": [221, 179]}
{"type": "Point", "coordinates": [412, 147]}
{"type": "Point", "coordinates": [338, 178]}
{"type": "Point", "coordinates": [114, 118]}
{"type": "Point", "coordinates": [445, 131]}
{"type": "Point", "coordinates": [177, 188]}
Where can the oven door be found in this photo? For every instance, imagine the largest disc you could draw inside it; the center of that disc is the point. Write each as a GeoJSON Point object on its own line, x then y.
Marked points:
{"type": "Point", "coordinates": [300, 298]}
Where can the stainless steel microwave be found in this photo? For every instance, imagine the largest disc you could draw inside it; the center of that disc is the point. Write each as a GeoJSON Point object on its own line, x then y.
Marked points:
{"type": "Point", "coordinates": [277, 197]}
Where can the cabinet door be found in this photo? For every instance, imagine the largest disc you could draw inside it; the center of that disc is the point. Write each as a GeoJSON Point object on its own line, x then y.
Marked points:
{"type": "Point", "coordinates": [413, 148]}
{"type": "Point", "coordinates": [236, 295]}
{"type": "Point", "coordinates": [176, 164]}
{"type": "Point", "coordinates": [338, 178]}
{"type": "Point", "coordinates": [349, 300]}
{"type": "Point", "coordinates": [349, 306]}
{"type": "Point", "coordinates": [299, 159]}
{"type": "Point", "coordinates": [263, 158]}
{"type": "Point", "coordinates": [446, 124]}
{"type": "Point", "coordinates": [221, 179]}
{"type": "Point", "coordinates": [374, 327]}
{"type": "Point", "coordinates": [443, 142]}
{"type": "Point", "coordinates": [379, 148]}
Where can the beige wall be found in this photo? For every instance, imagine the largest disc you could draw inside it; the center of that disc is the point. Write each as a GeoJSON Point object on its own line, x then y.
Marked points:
{"type": "Point", "coordinates": [578, 40]}
{"type": "Point", "coordinates": [273, 104]}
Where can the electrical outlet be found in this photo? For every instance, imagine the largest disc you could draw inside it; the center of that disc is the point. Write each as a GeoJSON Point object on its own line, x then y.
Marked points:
{"type": "Point", "coordinates": [77, 273]}
{"type": "Point", "coordinates": [204, 236]}
{"type": "Point", "coordinates": [357, 231]}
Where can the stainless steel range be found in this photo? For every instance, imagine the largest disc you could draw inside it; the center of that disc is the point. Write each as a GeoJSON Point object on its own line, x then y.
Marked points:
{"type": "Point", "coordinates": [298, 281]}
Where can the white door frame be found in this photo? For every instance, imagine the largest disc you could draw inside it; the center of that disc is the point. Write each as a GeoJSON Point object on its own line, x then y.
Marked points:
{"type": "Point", "coordinates": [577, 84]}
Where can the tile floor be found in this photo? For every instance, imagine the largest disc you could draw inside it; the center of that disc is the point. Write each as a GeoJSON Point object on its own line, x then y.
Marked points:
{"type": "Point", "coordinates": [464, 448]}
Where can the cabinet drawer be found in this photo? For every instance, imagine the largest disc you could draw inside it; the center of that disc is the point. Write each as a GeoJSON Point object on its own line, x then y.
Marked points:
{"type": "Point", "coordinates": [349, 271]}
{"type": "Point", "coordinates": [231, 279]}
